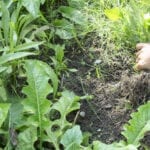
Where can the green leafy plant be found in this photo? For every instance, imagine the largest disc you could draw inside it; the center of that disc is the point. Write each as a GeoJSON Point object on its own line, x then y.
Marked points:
{"type": "Point", "coordinates": [4, 107]}
{"type": "Point", "coordinates": [73, 22]}
{"type": "Point", "coordinates": [36, 105]}
{"type": "Point", "coordinates": [14, 34]}
{"type": "Point", "coordinates": [36, 113]}
{"type": "Point", "coordinates": [73, 139]}
{"type": "Point", "coordinates": [15, 40]}
{"type": "Point", "coordinates": [58, 59]}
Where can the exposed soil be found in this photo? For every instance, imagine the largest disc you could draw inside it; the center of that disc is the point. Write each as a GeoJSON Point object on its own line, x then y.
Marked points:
{"type": "Point", "coordinates": [116, 95]}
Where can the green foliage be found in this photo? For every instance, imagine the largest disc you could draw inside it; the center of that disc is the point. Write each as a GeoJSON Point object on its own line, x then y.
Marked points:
{"type": "Point", "coordinates": [27, 139]}
{"type": "Point", "coordinates": [72, 14]}
{"type": "Point", "coordinates": [37, 117]}
{"type": "Point", "coordinates": [36, 105]}
{"type": "Point", "coordinates": [67, 103]}
{"type": "Point", "coordinates": [139, 124]}
{"type": "Point", "coordinates": [58, 58]}
{"type": "Point", "coordinates": [73, 22]}
{"type": "Point", "coordinates": [32, 116]}
{"type": "Point", "coordinates": [4, 108]}
{"type": "Point", "coordinates": [15, 41]}
{"type": "Point", "coordinates": [72, 138]}
{"type": "Point", "coordinates": [64, 29]}
{"type": "Point", "coordinates": [3, 94]}
{"type": "Point", "coordinates": [15, 33]}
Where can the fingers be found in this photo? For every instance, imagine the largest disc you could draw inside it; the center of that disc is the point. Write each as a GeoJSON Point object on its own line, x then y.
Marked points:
{"type": "Point", "coordinates": [143, 56]}
{"type": "Point", "coordinates": [138, 53]}
{"type": "Point", "coordinates": [140, 65]}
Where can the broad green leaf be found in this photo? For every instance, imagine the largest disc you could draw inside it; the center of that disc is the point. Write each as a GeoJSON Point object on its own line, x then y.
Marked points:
{"type": "Point", "coordinates": [27, 46]}
{"type": "Point", "coordinates": [27, 138]}
{"type": "Point", "coordinates": [97, 145]}
{"type": "Point", "coordinates": [4, 107]}
{"type": "Point", "coordinates": [36, 104]}
{"type": "Point", "coordinates": [5, 21]}
{"type": "Point", "coordinates": [3, 69]}
{"type": "Point", "coordinates": [113, 14]}
{"type": "Point", "coordinates": [64, 28]}
{"type": "Point", "coordinates": [72, 138]}
{"type": "Point", "coordinates": [135, 129]}
{"type": "Point", "coordinates": [72, 14]}
{"type": "Point", "coordinates": [15, 115]}
{"type": "Point", "coordinates": [13, 56]}
{"type": "Point", "coordinates": [3, 94]}
{"type": "Point", "coordinates": [32, 6]}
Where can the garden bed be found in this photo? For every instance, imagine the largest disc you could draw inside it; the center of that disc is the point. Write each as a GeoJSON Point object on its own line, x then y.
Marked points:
{"type": "Point", "coordinates": [114, 99]}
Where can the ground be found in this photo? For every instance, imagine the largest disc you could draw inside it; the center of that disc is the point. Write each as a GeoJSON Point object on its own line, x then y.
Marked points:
{"type": "Point", "coordinates": [114, 97]}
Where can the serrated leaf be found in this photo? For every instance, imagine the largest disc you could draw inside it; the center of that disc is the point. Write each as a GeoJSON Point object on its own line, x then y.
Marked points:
{"type": "Point", "coordinates": [36, 104]}
{"type": "Point", "coordinates": [13, 56]}
{"type": "Point", "coordinates": [73, 14]}
{"type": "Point", "coordinates": [135, 129]}
{"type": "Point", "coordinates": [26, 139]}
{"type": "Point", "coordinates": [72, 137]}
{"type": "Point", "coordinates": [54, 79]}
{"type": "Point", "coordinates": [4, 107]}
{"type": "Point", "coordinates": [68, 102]}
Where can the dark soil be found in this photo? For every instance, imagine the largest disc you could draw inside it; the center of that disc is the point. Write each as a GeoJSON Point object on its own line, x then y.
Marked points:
{"type": "Point", "coordinates": [116, 94]}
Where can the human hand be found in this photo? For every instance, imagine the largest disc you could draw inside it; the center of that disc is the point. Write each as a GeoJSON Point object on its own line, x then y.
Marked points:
{"type": "Point", "coordinates": [143, 56]}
